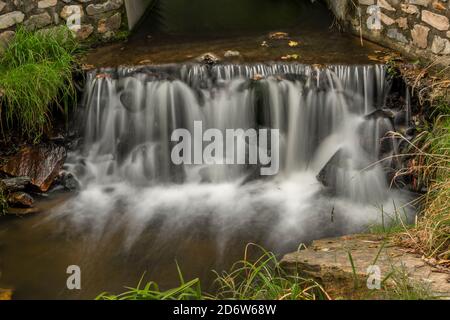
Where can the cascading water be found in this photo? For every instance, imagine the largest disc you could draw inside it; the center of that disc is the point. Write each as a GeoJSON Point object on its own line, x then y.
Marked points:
{"type": "Point", "coordinates": [137, 211]}
{"type": "Point", "coordinates": [327, 133]}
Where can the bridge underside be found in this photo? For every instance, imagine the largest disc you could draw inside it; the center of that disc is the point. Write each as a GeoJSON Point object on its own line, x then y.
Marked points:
{"type": "Point", "coordinates": [135, 11]}
{"type": "Point", "coordinates": [181, 16]}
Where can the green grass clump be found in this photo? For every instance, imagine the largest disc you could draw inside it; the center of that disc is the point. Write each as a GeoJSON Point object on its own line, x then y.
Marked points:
{"type": "Point", "coordinates": [391, 223]}
{"type": "Point", "coordinates": [190, 290]}
{"type": "Point", "coordinates": [262, 279]}
{"type": "Point", "coordinates": [36, 74]}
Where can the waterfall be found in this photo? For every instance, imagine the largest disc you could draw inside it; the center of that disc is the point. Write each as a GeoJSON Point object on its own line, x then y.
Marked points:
{"type": "Point", "coordinates": [330, 137]}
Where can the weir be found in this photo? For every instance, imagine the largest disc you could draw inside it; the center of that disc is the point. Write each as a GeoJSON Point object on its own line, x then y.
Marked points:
{"type": "Point", "coordinates": [136, 210]}
{"type": "Point", "coordinates": [321, 115]}
{"type": "Point", "coordinates": [335, 150]}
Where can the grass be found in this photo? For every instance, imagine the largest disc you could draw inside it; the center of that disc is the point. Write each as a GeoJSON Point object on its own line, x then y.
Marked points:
{"type": "Point", "coordinates": [432, 233]}
{"type": "Point", "coordinates": [391, 223]}
{"type": "Point", "coordinates": [261, 279]}
{"type": "Point", "coordinates": [36, 74]}
{"type": "Point", "coordinates": [402, 287]}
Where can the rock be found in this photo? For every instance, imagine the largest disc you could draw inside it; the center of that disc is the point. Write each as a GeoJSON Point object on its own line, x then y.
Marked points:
{"type": "Point", "coordinates": [396, 35]}
{"type": "Point", "coordinates": [83, 32]}
{"type": "Point", "coordinates": [94, 9]}
{"type": "Point", "coordinates": [6, 294]}
{"type": "Point", "coordinates": [40, 163]}
{"type": "Point", "coordinates": [22, 211]}
{"type": "Point", "coordinates": [435, 20]}
{"type": "Point", "coordinates": [2, 5]}
{"type": "Point", "coordinates": [14, 184]}
{"type": "Point", "coordinates": [231, 54]}
{"type": "Point", "coordinates": [109, 24]}
{"type": "Point", "coordinates": [327, 175]}
{"type": "Point", "coordinates": [42, 4]}
{"type": "Point", "coordinates": [72, 10]}
{"type": "Point", "coordinates": [10, 19]}
{"type": "Point", "coordinates": [327, 261]}
{"type": "Point", "coordinates": [20, 199]}
{"type": "Point", "coordinates": [402, 23]}
{"type": "Point", "coordinates": [69, 182]}
{"type": "Point", "coordinates": [419, 35]}
{"type": "Point", "coordinates": [440, 46]}
{"type": "Point", "coordinates": [208, 58]}
{"type": "Point", "coordinates": [385, 5]}
{"type": "Point", "coordinates": [5, 39]}
{"type": "Point", "coordinates": [386, 19]}
{"type": "Point", "coordinates": [409, 8]}
{"type": "Point", "coordinates": [38, 21]}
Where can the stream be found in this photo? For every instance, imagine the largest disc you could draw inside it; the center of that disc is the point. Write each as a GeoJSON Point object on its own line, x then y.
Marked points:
{"type": "Point", "coordinates": [139, 214]}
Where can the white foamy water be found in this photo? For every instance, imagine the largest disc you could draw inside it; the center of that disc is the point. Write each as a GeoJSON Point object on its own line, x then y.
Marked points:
{"type": "Point", "coordinates": [127, 177]}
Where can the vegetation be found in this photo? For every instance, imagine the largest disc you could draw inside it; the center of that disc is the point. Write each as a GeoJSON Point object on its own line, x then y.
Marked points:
{"type": "Point", "coordinates": [3, 202]}
{"type": "Point", "coordinates": [262, 279]}
{"type": "Point", "coordinates": [36, 74]}
{"type": "Point", "coordinates": [431, 236]}
{"type": "Point", "coordinates": [402, 287]}
{"type": "Point", "coordinates": [391, 223]}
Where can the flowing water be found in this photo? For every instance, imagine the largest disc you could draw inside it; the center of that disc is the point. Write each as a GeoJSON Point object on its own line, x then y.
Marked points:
{"type": "Point", "coordinates": [138, 212]}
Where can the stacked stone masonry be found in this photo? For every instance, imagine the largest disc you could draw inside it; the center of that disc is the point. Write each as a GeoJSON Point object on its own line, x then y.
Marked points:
{"type": "Point", "coordinates": [86, 18]}
{"type": "Point", "coordinates": [420, 28]}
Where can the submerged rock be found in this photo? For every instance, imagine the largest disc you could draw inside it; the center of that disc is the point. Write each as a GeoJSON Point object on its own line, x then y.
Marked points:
{"type": "Point", "coordinates": [40, 163]}
{"type": "Point", "coordinates": [232, 54]}
{"type": "Point", "coordinates": [208, 58]}
{"type": "Point", "coordinates": [22, 211]}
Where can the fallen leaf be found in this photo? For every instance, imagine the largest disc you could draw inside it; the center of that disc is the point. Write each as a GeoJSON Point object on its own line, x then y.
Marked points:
{"type": "Point", "coordinates": [293, 44]}
{"type": "Point", "coordinates": [290, 57]}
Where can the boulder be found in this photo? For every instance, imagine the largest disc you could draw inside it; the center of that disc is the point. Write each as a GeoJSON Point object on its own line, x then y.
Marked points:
{"type": "Point", "coordinates": [40, 163]}
{"type": "Point", "coordinates": [327, 176]}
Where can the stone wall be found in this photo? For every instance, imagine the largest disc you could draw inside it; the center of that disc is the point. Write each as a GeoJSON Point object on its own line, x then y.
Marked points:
{"type": "Point", "coordinates": [419, 28]}
{"type": "Point", "coordinates": [87, 18]}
